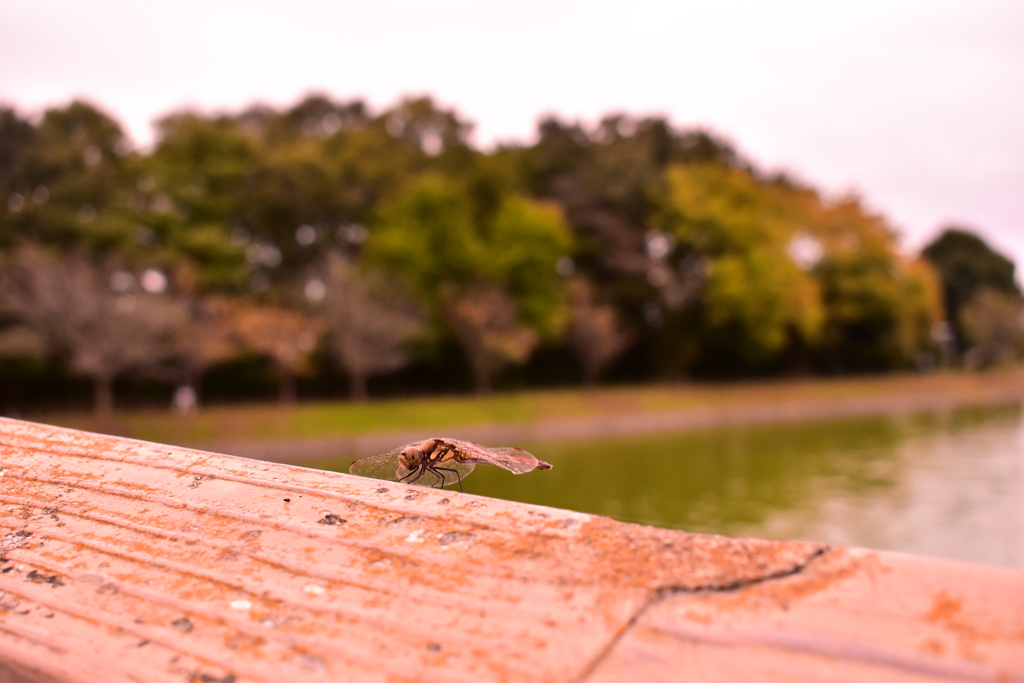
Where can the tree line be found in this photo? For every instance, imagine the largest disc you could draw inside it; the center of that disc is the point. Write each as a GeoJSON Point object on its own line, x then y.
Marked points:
{"type": "Point", "coordinates": [328, 240]}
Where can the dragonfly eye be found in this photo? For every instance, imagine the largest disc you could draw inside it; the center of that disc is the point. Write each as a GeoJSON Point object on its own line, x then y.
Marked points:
{"type": "Point", "coordinates": [410, 458]}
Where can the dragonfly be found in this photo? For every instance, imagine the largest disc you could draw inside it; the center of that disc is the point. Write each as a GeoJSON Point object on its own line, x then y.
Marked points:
{"type": "Point", "coordinates": [447, 461]}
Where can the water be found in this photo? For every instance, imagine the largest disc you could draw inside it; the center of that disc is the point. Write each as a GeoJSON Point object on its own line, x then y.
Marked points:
{"type": "Point", "coordinates": [948, 485]}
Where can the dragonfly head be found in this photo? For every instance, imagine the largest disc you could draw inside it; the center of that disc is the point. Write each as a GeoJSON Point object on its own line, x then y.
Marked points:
{"type": "Point", "coordinates": [410, 458]}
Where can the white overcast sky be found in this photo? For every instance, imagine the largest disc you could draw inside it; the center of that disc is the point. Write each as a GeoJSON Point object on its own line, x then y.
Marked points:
{"type": "Point", "coordinates": [917, 105]}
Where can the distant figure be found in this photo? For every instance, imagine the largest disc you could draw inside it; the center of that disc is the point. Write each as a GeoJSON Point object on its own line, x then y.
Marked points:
{"type": "Point", "coordinates": [184, 400]}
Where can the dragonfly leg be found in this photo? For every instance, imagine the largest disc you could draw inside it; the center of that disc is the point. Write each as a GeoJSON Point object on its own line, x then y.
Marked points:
{"type": "Point", "coordinates": [418, 472]}
{"type": "Point", "coordinates": [438, 477]}
{"type": "Point", "coordinates": [455, 472]}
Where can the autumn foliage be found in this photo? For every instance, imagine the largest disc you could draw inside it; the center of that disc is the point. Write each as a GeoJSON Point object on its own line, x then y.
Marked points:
{"type": "Point", "coordinates": [328, 240]}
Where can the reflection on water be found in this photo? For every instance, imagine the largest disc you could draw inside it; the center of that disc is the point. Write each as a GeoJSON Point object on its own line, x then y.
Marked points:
{"type": "Point", "coordinates": [947, 484]}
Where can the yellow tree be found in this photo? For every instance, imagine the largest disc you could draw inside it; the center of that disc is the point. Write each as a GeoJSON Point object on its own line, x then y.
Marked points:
{"type": "Point", "coordinates": [787, 268]}
{"type": "Point", "coordinates": [880, 305]}
{"type": "Point", "coordinates": [757, 294]}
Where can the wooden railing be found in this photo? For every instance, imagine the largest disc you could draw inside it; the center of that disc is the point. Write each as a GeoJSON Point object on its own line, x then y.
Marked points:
{"type": "Point", "coordinates": [124, 560]}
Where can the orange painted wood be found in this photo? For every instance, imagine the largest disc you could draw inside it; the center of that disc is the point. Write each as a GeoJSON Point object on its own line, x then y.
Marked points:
{"type": "Point", "coordinates": [850, 615]}
{"type": "Point", "coordinates": [124, 560]}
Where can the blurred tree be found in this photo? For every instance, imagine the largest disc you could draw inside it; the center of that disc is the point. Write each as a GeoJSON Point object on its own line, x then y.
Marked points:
{"type": "Point", "coordinates": [607, 183]}
{"type": "Point", "coordinates": [192, 196]}
{"type": "Point", "coordinates": [321, 170]}
{"type": "Point", "coordinates": [612, 183]}
{"type": "Point", "coordinates": [420, 122]}
{"type": "Point", "coordinates": [880, 307]}
{"type": "Point", "coordinates": [486, 324]}
{"type": "Point", "coordinates": [993, 325]}
{"type": "Point", "coordinates": [524, 243]}
{"type": "Point", "coordinates": [757, 296]}
{"type": "Point", "coordinates": [21, 341]}
{"type": "Point", "coordinates": [788, 273]}
{"type": "Point", "coordinates": [593, 331]}
{"type": "Point", "coordinates": [371, 320]}
{"type": "Point", "coordinates": [702, 262]}
{"type": "Point", "coordinates": [429, 236]}
{"type": "Point", "coordinates": [456, 261]}
{"type": "Point", "coordinates": [21, 349]}
{"type": "Point", "coordinates": [317, 116]}
{"type": "Point", "coordinates": [369, 165]}
{"type": "Point", "coordinates": [878, 317]}
{"type": "Point", "coordinates": [66, 179]}
{"type": "Point", "coordinates": [292, 211]}
{"type": "Point", "coordinates": [297, 197]}
{"type": "Point", "coordinates": [966, 264]}
{"type": "Point", "coordinates": [92, 314]}
{"type": "Point", "coordinates": [205, 337]}
{"type": "Point", "coordinates": [285, 336]}
{"type": "Point", "coordinates": [17, 140]}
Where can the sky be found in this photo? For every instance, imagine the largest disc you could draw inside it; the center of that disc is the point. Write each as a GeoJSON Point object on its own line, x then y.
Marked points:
{"type": "Point", "coordinates": [915, 105]}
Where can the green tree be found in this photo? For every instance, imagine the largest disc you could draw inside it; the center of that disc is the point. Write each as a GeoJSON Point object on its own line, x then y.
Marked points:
{"type": "Point", "coordinates": [700, 261]}
{"type": "Point", "coordinates": [66, 179]}
{"type": "Point", "coordinates": [967, 264]}
{"type": "Point", "coordinates": [612, 182]}
{"type": "Point", "coordinates": [192, 197]}
{"type": "Point", "coordinates": [323, 167]}
{"type": "Point", "coordinates": [17, 139]}
{"type": "Point", "coordinates": [302, 194]}
{"type": "Point", "coordinates": [433, 236]}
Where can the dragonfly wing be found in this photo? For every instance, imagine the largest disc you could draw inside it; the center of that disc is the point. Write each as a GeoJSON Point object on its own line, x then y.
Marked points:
{"type": "Point", "coordinates": [383, 466]}
{"type": "Point", "coordinates": [386, 465]}
{"type": "Point", "coordinates": [515, 460]}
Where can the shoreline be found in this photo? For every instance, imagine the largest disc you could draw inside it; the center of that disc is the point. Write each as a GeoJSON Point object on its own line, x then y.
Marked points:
{"type": "Point", "coordinates": [1004, 388]}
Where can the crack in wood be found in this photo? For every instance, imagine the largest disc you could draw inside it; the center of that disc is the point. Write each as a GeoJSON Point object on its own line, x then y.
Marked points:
{"type": "Point", "coordinates": [661, 593]}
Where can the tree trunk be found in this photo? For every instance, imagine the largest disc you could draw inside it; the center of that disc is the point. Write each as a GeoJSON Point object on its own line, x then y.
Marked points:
{"type": "Point", "coordinates": [357, 386]}
{"type": "Point", "coordinates": [103, 395]}
{"type": "Point", "coordinates": [13, 396]}
{"type": "Point", "coordinates": [481, 374]}
{"type": "Point", "coordinates": [286, 386]}
{"type": "Point", "coordinates": [197, 385]}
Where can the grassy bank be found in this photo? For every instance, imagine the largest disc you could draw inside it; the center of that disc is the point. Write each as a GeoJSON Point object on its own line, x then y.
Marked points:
{"type": "Point", "coordinates": [319, 420]}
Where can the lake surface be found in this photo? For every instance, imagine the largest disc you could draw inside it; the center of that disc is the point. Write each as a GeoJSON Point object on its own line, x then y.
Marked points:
{"type": "Point", "coordinates": [948, 485]}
